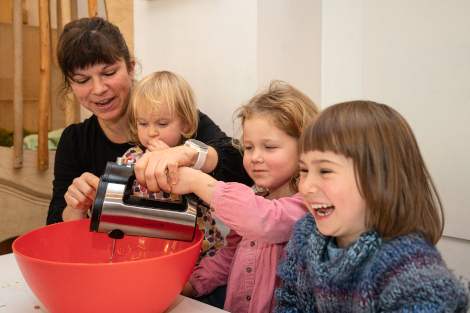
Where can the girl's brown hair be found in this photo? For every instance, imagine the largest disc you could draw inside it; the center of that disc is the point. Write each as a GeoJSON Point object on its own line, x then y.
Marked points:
{"type": "Point", "coordinates": [89, 41]}
{"type": "Point", "coordinates": [391, 173]}
{"type": "Point", "coordinates": [163, 89]}
{"type": "Point", "coordinates": [286, 107]}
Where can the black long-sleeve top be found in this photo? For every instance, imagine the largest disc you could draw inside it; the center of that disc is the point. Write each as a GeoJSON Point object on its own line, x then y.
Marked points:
{"type": "Point", "coordinates": [84, 147]}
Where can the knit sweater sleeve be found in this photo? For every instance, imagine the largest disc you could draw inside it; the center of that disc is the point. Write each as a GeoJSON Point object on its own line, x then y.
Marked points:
{"type": "Point", "coordinates": [418, 280]}
{"type": "Point", "coordinates": [269, 221]}
{"type": "Point", "coordinates": [287, 295]}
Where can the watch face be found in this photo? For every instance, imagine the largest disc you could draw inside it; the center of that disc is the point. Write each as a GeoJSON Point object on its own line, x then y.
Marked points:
{"type": "Point", "coordinates": [198, 143]}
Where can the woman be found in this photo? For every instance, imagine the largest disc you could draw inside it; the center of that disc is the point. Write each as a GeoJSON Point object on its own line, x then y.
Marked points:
{"type": "Point", "coordinates": [98, 68]}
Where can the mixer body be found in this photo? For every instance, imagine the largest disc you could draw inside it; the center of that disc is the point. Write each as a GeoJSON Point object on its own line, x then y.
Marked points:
{"type": "Point", "coordinates": [115, 208]}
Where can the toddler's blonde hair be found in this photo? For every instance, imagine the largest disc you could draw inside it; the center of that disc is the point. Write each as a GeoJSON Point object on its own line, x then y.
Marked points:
{"type": "Point", "coordinates": [163, 88]}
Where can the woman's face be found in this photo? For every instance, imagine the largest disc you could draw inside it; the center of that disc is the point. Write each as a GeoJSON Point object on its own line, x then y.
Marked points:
{"type": "Point", "coordinates": [104, 89]}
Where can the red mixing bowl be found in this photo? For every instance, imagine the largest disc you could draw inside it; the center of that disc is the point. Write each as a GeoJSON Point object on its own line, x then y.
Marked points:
{"type": "Point", "coordinates": [67, 268]}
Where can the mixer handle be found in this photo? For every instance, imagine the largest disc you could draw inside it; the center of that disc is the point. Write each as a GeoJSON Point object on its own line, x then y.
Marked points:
{"type": "Point", "coordinates": [118, 174]}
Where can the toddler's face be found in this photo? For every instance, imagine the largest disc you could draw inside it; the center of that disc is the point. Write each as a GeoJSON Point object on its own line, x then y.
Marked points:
{"type": "Point", "coordinates": [270, 156]}
{"type": "Point", "coordinates": [329, 189]}
{"type": "Point", "coordinates": [159, 125]}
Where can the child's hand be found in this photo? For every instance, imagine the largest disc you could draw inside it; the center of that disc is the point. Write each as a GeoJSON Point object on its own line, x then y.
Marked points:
{"type": "Point", "coordinates": [188, 178]}
{"type": "Point", "coordinates": [194, 181]}
{"type": "Point", "coordinates": [153, 168]}
{"type": "Point", "coordinates": [156, 145]}
{"type": "Point", "coordinates": [188, 290]}
{"type": "Point", "coordinates": [160, 170]}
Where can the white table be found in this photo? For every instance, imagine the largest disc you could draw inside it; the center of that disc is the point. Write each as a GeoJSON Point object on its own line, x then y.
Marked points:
{"type": "Point", "coordinates": [16, 297]}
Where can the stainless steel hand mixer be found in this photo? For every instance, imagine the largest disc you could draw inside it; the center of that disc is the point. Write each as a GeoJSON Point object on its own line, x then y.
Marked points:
{"type": "Point", "coordinates": [118, 212]}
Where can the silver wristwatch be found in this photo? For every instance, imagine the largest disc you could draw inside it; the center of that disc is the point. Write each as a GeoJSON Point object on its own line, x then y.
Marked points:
{"type": "Point", "coordinates": [202, 150]}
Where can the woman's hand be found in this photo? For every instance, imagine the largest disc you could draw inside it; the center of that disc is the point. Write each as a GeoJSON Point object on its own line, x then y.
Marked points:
{"type": "Point", "coordinates": [158, 169]}
{"type": "Point", "coordinates": [188, 290]}
{"type": "Point", "coordinates": [156, 145]}
{"type": "Point", "coordinates": [190, 181]}
{"type": "Point", "coordinates": [80, 196]}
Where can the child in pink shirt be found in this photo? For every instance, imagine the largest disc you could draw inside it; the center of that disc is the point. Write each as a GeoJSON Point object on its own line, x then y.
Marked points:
{"type": "Point", "coordinates": [261, 223]}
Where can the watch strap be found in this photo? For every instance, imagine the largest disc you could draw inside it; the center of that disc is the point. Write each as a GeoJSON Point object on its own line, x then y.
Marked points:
{"type": "Point", "coordinates": [201, 159]}
{"type": "Point", "coordinates": [201, 150]}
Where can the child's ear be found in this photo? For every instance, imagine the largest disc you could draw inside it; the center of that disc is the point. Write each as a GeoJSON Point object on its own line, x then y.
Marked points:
{"type": "Point", "coordinates": [186, 127]}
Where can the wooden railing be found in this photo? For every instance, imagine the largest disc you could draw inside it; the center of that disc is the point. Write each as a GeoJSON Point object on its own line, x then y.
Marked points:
{"type": "Point", "coordinates": [45, 70]}
{"type": "Point", "coordinates": [18, 83]}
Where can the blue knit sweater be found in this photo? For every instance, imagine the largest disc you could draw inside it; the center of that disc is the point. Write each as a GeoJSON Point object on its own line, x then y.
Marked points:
{"type": "Point", "coordinates": [406, 274]}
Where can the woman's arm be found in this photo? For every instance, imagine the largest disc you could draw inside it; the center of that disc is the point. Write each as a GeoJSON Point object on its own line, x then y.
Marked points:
{"type": "Point", "coordinates": [158, 169]}
{"type": "Point", "coordinates": [66, 169]}
{"type": "Point", "coordinates": [228, 166]}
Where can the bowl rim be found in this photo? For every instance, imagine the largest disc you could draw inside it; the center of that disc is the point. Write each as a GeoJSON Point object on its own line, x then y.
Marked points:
{"type": "Point", "coordinates": [16, 252]}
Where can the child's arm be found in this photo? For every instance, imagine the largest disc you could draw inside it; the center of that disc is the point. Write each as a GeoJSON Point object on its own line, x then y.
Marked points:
{"type": "Point", "coordinates": [416, 279]}
{"type": "Point", "coordinates": [189, 290]}
{"type": "Point", "coordinates": [270, 221]}
{"type": "Point", "coordinates": [194, 181]}
{"type": "Point", "coordinates": [156, 170]}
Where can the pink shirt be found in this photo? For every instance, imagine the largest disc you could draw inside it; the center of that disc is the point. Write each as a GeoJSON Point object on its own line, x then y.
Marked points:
{"type": "Point", "coordinates": [260, 229]}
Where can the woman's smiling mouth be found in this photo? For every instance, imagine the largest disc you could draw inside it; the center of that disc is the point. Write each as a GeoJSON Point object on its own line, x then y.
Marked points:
{"type": "Point", "coordinates": [104, 102]}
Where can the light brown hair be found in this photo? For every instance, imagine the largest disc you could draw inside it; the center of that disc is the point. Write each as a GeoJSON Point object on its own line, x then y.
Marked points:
{"type": "Point", "coordinates": [286, 107]}
{"type": "Point", "coordinates": [87, 42]}
{"type": "Point", "coordinates": [163, 88]}
{"type": "Point", "coordinates": [399, 192]}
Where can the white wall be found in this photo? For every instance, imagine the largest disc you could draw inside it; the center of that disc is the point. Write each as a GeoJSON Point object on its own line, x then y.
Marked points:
{"type": "Point", "coordinates": [227, 49]}
{"type": "Point", "coordinates": [416, 58]}
{"type": "Point", "coordinates": [456, 253]}
{"type": "Point", "coordinates": [410, 54]}
{"type": "Point", "coordinates": [210, 43]}
{"type": "Point", "coordinates": [413, 56]}
{"type": "Point", "coordinates": [289, 44]}
{"type": "Point", "coordinates": [342, 63]}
